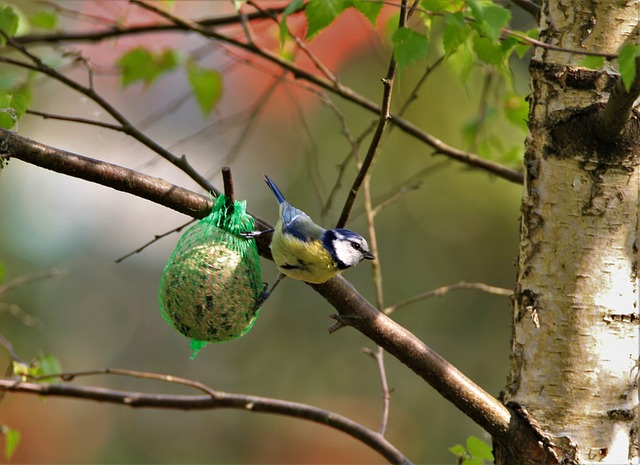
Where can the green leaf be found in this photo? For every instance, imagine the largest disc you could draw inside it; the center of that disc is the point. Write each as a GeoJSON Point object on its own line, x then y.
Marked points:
{"type": "Point", "coordinates": [11, 441]}
{"type": "Point", "coordinates": [206, 85]}
{"type": "Point", "coordinates": [592, 62]}
{"type": "Point", "coordinates": [294, 6]}
{"type": "Point", "coordinates": [455, 32]}
{"type": "Point", "coordinates": [8, 22]}
{"type": "Point", "coordinates": [369, 9]}
{"type": "Point", "coordinates": [409, 46]}
{"type": "Point", "coordinates": [521, 48]}
{"type": "Point", "coordinates": [516, 110]}
{"type": "Point", "coordinates": [627, 63]}
{"type": "Point", "coordinates": [458, 450]}
{"type": "Point", "coordinates": [20, 369]}
{"type": "Point", "coordinates": [489, 18]}
{"type": "Point", "coordinates": [321, 13]}
{"type": "Point", "coordinates": [441, 5]}
{"type": "Point", "coordinates": [47, 365]}
{"type": "Point", "coordinates": [488, 50]}
{"type": "Point", "coordinates": [140, 64]}
{"type": "Point", "coordinates": [47, 20]}
{"type": "Point", "coordinates": [479, 449]}
{"type": "Point", "coordinates": [13, 107]}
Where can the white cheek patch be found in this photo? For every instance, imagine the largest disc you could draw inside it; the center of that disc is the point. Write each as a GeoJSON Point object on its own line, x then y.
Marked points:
{"type": "Point", "coordinates": [346, 253]}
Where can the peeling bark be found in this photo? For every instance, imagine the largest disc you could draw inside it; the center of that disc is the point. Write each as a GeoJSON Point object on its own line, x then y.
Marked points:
{"type": "Point", "coordinates": [575, 323]}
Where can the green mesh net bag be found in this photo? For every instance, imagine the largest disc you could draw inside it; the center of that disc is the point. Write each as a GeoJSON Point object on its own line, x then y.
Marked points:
{"type": "Point", "coordinates": [210, 286]}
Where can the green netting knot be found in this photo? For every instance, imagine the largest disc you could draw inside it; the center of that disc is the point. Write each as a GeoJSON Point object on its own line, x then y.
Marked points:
{"type": "Point", "coordinates": [212, 281]}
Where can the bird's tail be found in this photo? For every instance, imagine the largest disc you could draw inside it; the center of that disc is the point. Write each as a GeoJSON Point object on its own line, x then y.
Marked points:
{"type": "Point", "coordinates": [274, 189]}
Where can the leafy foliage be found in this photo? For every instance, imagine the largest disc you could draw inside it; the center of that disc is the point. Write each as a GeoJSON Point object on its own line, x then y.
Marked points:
{"type": "Point", "coordinates": [409, 46]}
{"type": "Point", "coordinates": [141, 64]}
{"type": "Point", "coordinates": [40, 368]}
{"type": "Point", "coordinates": [13, 105]}
{"type": "Point", "coordinates": [627, 63]}
{"type": "Point", "coordinates": [321, 13]}
{"type": "Point", "coordinates": [44, 19]}
{"type": "Point", "coordinates": [8, 23]}
{"type": "Point", "coordinates": [592, 62]}
{"type": "Point", "coordinates": [11, 440]}
{"type": "Point", "coordinates": [476, 452]}
{"type": "Point", "coordinates": [206, 85]}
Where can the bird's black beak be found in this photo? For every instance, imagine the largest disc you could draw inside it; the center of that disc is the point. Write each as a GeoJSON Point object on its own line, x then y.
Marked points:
{"type": "Point", "coordinates": [369, 256]}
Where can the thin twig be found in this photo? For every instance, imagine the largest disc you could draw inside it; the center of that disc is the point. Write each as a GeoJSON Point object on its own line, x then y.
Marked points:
{"type": "Point", "coordinates": [528, 6]}
{"type": "Point", "coordinates": [378, 356]}
{"type": "Point", "coordinates": [440, 291]}
{"type": "Point", "coordinates": [376, 271]}
{"type": "Point", "coordinates": [9, 348]}
{"type": "Point", "coordinates": [301, 45]}
{"type": "Point", "coordinates": [353, 309]}
{"type": "Point", "coordinates": [251, 121]}
{"type": "Point", "coordinates": [22, 281]}
{"type": "Point", "coordinates": [615, 116]}
{"type": "Point", "coordinates": [211, 400]}
{"type": "Point", "coordinates": [75, 119]}
{"type": "Point", "coordinates": [483, 109]}
{"type": "Point", "coordinates": [119, 31]}
{"type": "Point", "coordinates": [17, 312]}
{"type": "Point", "coordinates": [127, 127]}
{"type": "Point", "coordinates": [384, 116]}
{"type": "Point", "coordinates": [345, 92]}
{"type": "Point", "coordinates": [155, 239]}
{"type": "Point", "coordinates": [229, 194]}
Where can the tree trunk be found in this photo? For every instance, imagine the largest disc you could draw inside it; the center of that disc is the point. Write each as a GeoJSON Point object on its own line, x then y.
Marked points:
{"type": "Point", "coordinates": [575, 321]}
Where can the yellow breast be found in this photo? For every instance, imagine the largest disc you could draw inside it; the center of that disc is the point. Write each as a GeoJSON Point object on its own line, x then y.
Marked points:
{"type": "Point", "coordinates": [304, 261]}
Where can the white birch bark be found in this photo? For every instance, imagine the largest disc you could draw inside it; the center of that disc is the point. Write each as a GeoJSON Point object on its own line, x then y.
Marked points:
{"type": "Point", "coordinates": [575, 340]}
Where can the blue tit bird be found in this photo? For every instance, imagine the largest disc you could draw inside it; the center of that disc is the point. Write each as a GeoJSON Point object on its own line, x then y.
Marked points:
{"type": "Point", "coordinates": [307, 252]}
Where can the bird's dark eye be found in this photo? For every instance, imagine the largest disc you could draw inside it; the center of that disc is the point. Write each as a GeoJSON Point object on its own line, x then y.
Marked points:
{"type": "Point", "coordinates": [356, 246]}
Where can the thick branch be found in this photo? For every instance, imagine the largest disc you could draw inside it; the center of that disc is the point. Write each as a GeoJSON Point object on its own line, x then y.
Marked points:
{"type": "Point", "coordinates": [615, 116]}
{"type": "Point", "coordinates": [353, 309]}
{"type": "Point", "coordinates": [210, 402]}
{"type": "Point", "coordinates": [133, 182]}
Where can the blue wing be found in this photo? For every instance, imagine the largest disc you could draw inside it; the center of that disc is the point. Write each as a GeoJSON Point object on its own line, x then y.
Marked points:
{"type": "Point", "coordinates": [297, 223]}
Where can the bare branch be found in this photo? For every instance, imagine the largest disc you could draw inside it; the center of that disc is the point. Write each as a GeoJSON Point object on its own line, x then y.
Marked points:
{"type": "Point", "coordinates": [119, 31]}
{"type": "Point", "coordinates": [88, 91]}
{"type": "Point", "coordinates": [75, 119]}
{"type": "Point", "coordinates": [378, 357]}
{"type": "Point", "coordinates": [346, 93]}
{"type": "Point", "coordinates": [615, 116]}
{"type": "Point", "coordinates": [31, 278]}
{"type": "Point", "coordinates": [528, 6]}
{"type": "Point", "coordinates": [353, 309]}
{"type": "Point", "coordinates": [384, 116]}
{"type": "Point", "coordinates": [210, 401]}
{"type": "Point", "coordinates": [156, 238]}
{"type": "Point", "coordinates": [440, 291]}
{"type": "Point", "coordinates": [476, 403]}
{"type": "Point", "coordinates": [148, 187]}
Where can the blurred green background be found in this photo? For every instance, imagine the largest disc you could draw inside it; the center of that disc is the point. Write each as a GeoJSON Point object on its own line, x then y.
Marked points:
{"type": "Point", "coordinates": [460, 224]}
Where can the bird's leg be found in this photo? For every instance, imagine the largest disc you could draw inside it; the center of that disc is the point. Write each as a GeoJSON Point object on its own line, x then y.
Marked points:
{"type": "Point", "coordinates": [265, 294]}
{"type": "Point", "coordinates": [254, 234]}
